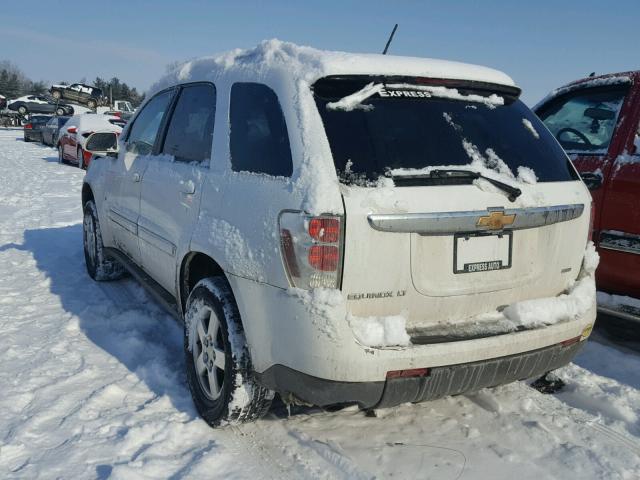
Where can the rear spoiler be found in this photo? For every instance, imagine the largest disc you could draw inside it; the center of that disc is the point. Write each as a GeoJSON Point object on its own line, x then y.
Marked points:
{"type": "Point", "coordinates": [339, 86]}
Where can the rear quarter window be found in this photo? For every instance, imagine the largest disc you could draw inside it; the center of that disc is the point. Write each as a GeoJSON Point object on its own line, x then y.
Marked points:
{"type": "Point", "coordinates": [190, 133]}
{"type": "Point", "coordinates": [259, 141]}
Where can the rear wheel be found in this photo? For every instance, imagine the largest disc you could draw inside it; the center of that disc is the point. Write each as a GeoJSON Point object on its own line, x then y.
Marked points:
{"type": "Point", "coordinates": [99, 267]}
{"type": "Point", "coordinates": [22, 110]}
{"type": "Point", "coordinates": [92, 104]}
{"type": "Point", "coordinates": [60, 111]}
{"type": "Point", "coordinates": [218, 362]}
{"type": "Point", "coordinates": [56, 94]}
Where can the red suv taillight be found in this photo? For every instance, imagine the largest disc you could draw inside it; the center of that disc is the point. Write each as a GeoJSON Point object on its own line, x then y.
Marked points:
{"type": "Point", "coordinates": [311, 249]}
{"type": "Point", "coordinates": [28, 126]}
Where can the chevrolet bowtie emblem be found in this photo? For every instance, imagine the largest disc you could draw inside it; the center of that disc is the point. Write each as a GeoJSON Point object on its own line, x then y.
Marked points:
{"type": "Point", "coordinates": [496, 220]}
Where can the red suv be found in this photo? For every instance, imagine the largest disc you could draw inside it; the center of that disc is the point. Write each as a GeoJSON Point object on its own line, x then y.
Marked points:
{"type": "Point", "coordinates": [597, 121]}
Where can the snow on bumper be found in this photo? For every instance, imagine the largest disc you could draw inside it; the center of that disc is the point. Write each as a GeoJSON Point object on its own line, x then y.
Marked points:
{"type": "Point", "coordinates": [310, 333]}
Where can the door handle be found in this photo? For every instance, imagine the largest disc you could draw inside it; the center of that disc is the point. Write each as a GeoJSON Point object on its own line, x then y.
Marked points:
{"type": "Point", "coordinates": [188, 187]}
{"type": "Point", "coordinates": [135, 177]}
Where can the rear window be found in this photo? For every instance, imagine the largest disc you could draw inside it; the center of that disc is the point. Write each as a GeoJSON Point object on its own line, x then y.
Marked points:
{"type": "Point", "coordinates": [410, 125]}
{"type": "Point", "coordinates": [38, 119]}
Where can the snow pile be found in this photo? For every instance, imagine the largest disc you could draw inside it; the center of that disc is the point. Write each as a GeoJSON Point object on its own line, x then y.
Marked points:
{"type": "Point", "coordinates": [570, 306]}
{"type": "Point", "coordinates": [380, 331]}
{"type": "Point", "coordinates": [529, 126]}
{"type": "Point", "coordinates": [354, 101]}
{"type": "Point", "coordinates": [527, 175]}
{"type": "Point", "coordinates": [490, 101]}
{"type": "Point", "coordinates": [310, 64]}
{"type": "Point", "coordinates": [240, 256]}
{"type": "Point", "coordinates": [328, 308]}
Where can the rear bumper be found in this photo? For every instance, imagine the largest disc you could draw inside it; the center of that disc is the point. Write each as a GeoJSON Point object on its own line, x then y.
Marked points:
{"type": "Point", "coordinates": [284, 329]}
{"type": "Point", "coordinates": [437, 383]}
{"type": "Point", "coordinates": [35, 135]}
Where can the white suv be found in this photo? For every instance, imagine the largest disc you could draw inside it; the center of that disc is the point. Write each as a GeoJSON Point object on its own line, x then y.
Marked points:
{"type": "Point", "coordinates": [346, 228]}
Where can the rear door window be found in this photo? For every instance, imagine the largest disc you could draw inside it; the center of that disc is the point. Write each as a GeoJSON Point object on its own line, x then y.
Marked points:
{"type": "Point", "coordinates": [584, 121]}
{"type": "Point", "coordinates": [259, 140]}
{"type": "Point", "coordinates": [144, 131]}
{"type": "Point", "coordinates": [190, 133]}
{"type": "Point", "coordinates": [414, 127]}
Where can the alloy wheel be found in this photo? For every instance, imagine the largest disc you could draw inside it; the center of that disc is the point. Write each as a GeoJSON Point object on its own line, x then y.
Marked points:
{"type": "Point", "coordinates": [209, 354]}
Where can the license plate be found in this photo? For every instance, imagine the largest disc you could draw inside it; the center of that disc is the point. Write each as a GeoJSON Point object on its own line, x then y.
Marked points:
{"type": "Point", "coordinates": [482, 252]}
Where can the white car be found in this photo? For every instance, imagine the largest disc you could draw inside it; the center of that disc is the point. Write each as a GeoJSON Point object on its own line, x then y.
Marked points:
{"type": "Point", "coordinates": [346, 228]}
{"type": "Point", "coordinates": [73, 135]}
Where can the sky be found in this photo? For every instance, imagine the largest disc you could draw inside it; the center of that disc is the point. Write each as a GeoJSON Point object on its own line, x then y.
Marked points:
{"type": "Point", "coordinates": [541, 44]}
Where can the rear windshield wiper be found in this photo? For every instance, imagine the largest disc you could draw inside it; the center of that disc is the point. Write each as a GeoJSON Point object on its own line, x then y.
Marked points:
{"type": "Point", "coordinates": [453, 176]}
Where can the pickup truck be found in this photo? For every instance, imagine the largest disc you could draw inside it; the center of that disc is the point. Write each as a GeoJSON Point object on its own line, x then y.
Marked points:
{"type": "Point", "coordinates": [597, 122]}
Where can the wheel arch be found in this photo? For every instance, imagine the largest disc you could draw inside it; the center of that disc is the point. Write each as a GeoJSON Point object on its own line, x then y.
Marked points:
{"type": "Point", "coordinates": [194, 267]}
{"type": "Point", "coordinates": [87, 194]}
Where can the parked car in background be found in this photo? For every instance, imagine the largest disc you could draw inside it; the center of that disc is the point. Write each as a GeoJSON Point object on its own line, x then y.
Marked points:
{"type": "Point", "coordinates": [38, 104]}
{"type": "Point", "coordinates": [51, 129]}
{"type": "Point", "coordinates": [78, 92]}
{"type": "Point", "coordinates": [405, 239]}
{"type": "Point", "coordinates": [33, 128]}
{"type": "Point", "coordinates": [73, 135]}
{"type": "Point", "coordinates": [119, 108]}
{"type": "Point", "coordinates": [597, 121]}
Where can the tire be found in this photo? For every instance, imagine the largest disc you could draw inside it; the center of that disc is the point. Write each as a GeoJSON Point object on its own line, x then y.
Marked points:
{"type": "Point", "coordinates": [92, 104]}
{"type": "Point", "coordinates": [60, 111]}
{"type": "Point", "coordinates": [26, 139]}
{"type": "Point", "coordinates": [232, 396]}
{"type": "Point", "coordinates": [22, 110]}
{"type": "Point", "coordinates": [99, 267]}
{"type": "Point", "coordinates": [56, 94]}
{"type": "Point", "coordinates": [80, 158]}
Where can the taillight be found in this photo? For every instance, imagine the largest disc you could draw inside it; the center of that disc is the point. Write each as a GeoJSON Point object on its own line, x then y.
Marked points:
{"type": "Point", "coordinates": [28, 126]}
{"type": "Point", "coordinates": [324, 229]}
{"type": "Point", "coordinates": [311, 249]}
{"type": "Point", "coordinates": [324, 257]}
{"type": "Point", "coordinates": [592, 220]}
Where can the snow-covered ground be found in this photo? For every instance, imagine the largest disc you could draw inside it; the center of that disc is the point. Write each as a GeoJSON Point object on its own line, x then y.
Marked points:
{"type": "Point", "coordinates": [91, 384]}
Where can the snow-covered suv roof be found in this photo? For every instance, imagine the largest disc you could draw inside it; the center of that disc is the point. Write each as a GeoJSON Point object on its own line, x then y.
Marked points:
{"type": "Point", "coordinates": [309, 64]}
{"type": "Point", "coordinates": [290, 70]}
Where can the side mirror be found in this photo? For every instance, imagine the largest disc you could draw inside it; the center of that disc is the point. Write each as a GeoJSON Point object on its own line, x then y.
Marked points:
{"type": "Point", "coordinates": [102, 143]}
{"type": "Point", "coordinates": [593, 180]}
{"type": "Point", "coordinates": [72, 130]}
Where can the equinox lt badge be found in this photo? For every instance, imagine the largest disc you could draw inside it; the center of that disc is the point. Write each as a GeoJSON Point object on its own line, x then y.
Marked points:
{"type": "Point", "coordinates": [365, 296]}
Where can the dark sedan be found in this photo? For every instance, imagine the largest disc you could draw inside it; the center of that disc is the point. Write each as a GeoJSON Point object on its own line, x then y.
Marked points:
{"type": "Point", "coordinates": [51, 130]}
{"type": "Point", "coordinates": [38, 104]}
{"type": "Point", "coordinates": [33, 128]}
